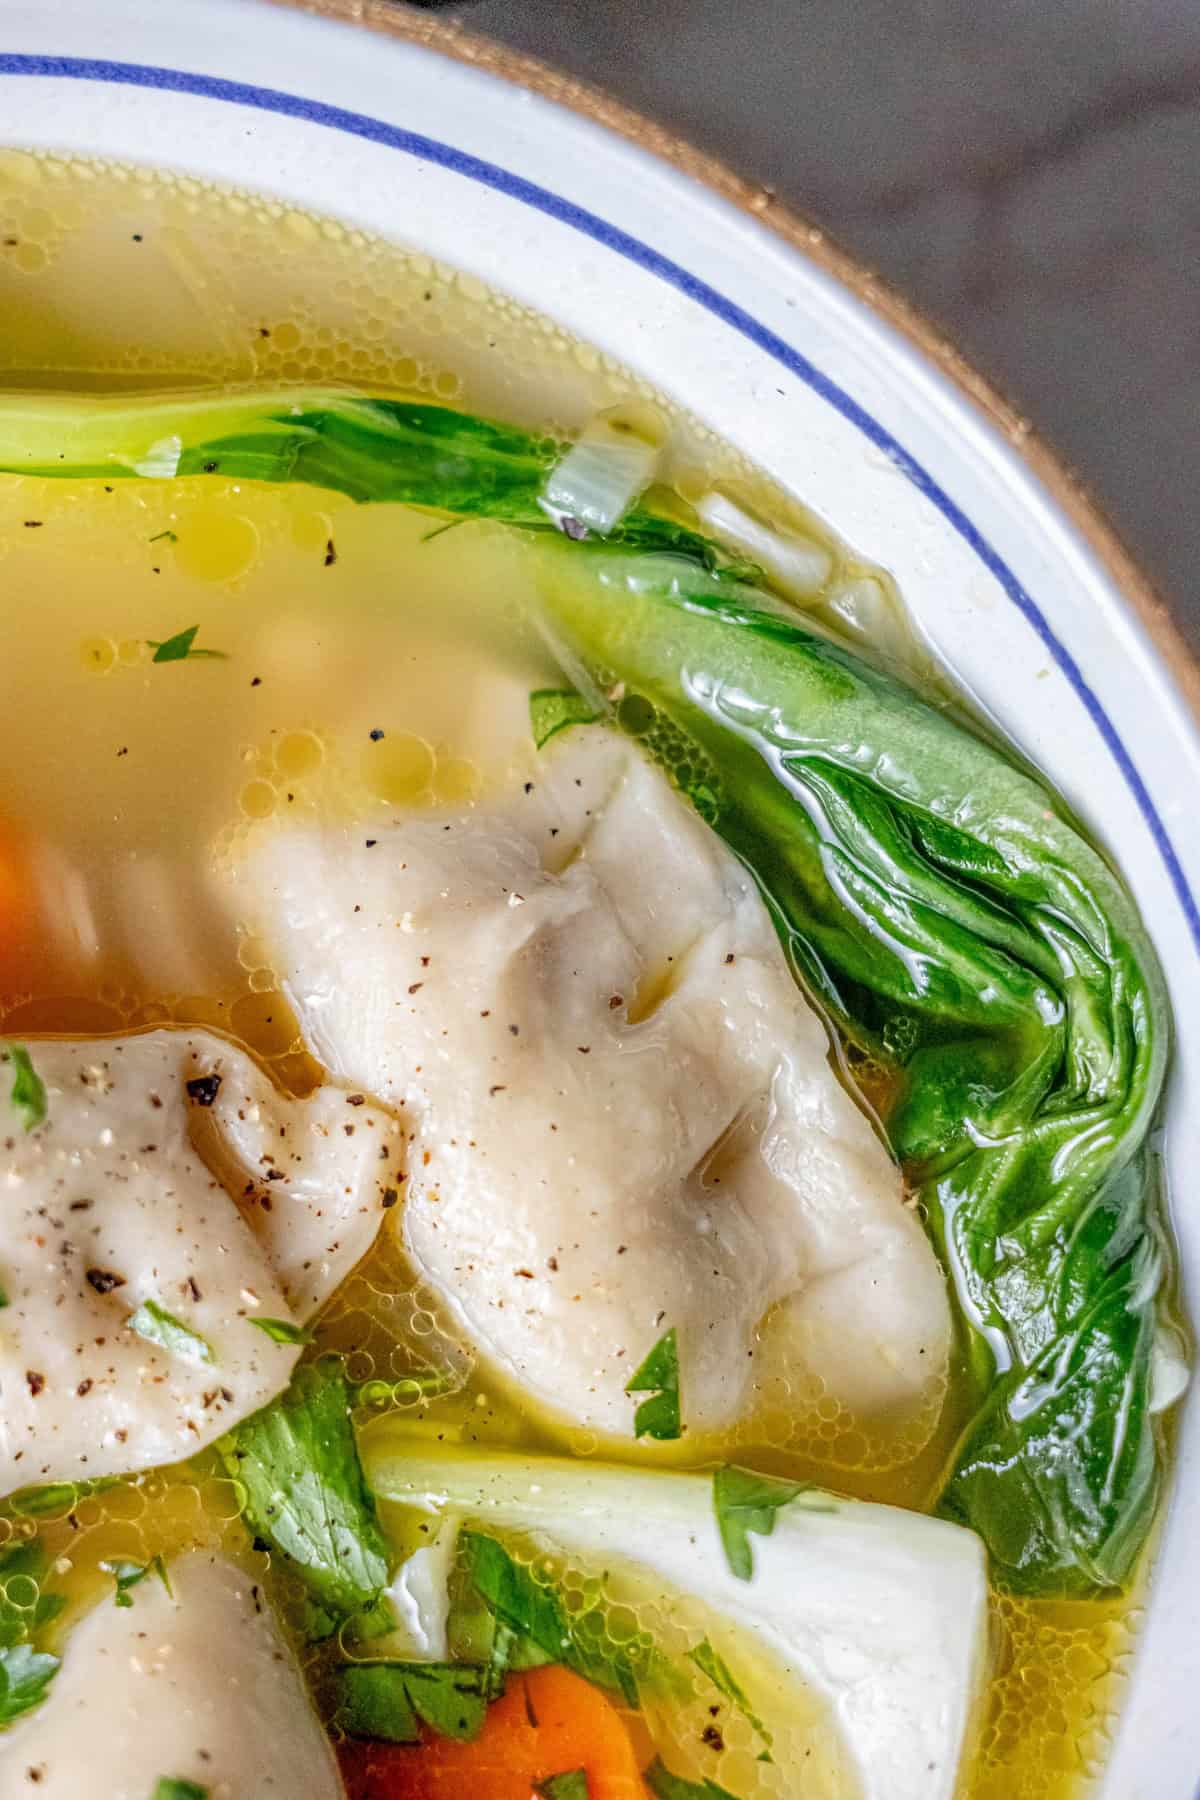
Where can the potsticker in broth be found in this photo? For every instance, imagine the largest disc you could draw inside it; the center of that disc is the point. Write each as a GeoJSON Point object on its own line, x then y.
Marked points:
{"type": "Point", "coordinates": [582, 1220]}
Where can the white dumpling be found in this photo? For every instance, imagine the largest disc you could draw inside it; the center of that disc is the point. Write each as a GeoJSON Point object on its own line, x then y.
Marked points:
{"type": "Point", "coordinates": [197, 1685]}
{"type": "Point", "coordinates": [622, 1112]}
{"type": "Point", "coordinates": [112, 1203]}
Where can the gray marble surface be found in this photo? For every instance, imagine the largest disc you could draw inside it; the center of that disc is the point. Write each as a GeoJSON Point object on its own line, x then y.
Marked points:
{"type": "Point", "coordinates": [1028, 171]}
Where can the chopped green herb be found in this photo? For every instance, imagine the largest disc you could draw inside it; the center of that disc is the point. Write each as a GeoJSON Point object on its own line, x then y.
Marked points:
{"type": "Point", "coordinates": [572, 1784]}
{"type": "Point", "coordinates": [438, 530]}
{"type": "Point", "coordinates": [181, 647]}
{"type": "Point", "coordinates": [552, 709]}
{"type": "Point", "coordinates": [172, 1787]}
{"type": "Point", "coordinates": [172, 537]}
{"type": "Point", "coordinates": [297, 1465]}
{"type": "Point", "coordinates": [43, 1502]}
{"type": "Point", "coordinates": [28, 1093]}
{"type": "Point", "coordinates": [56, 1497]}
{"type": "Point", "coordinates": [719, 1673]}
{"type": "Point", "coordinates": [515, 1596]}
{"type": "Point", "coordinates": [154, 1323]}
{"type": "Point", "coordinates": [128, 1574]}
{"type": "Point", "coordinates": [25, 1673]}
{"type": "Point", "coordinates": [282, 1331]}
{"type": "Point", "coordinates": [390, 1700]}
{"type": "Point", "coordinates": [533, 1626]}
{"type": "Point", "coordinates": [665, 1786]}
{"type": "Point", "coordinates": [745, 1501]}
{"type": "Point", "coordinates": [4, 1300]}
{"type": "Point", "coordinates": [658, 1376]}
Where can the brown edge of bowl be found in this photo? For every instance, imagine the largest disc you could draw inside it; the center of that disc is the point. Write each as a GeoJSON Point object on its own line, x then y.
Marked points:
{"type": "Point", "coordinates": [812, 242]}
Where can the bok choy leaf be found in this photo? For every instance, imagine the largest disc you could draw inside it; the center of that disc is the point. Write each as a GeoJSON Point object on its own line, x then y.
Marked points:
{"type": "Point", "coordinates": [961, 931]}
{"type": "Point", "coordinates": [302, 1491]}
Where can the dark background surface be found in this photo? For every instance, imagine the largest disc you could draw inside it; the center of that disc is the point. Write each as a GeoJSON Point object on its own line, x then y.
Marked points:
{"type": "Point", "coordinates": [1027, 171]}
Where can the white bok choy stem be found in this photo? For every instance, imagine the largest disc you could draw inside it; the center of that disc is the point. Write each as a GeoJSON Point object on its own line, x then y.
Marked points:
{"type": "Point", "coordinates": [611, 465]}
{"type": "Point", "coordinates": [881, 1613]}
{"type": "Point", "coordinates": [798, 566]}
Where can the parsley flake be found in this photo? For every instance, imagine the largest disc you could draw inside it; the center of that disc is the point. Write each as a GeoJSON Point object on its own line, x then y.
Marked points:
{"type": "Point", "coordinates": [25, 1673]}
{"type": "Point", "coordinates": [283, 1331]}
{"type": "Point", "coordinates": [552, 710]}
{"type": "Point", "coordinates": [746, 1501]}
{"type": "Point", "coordinates": [658, 1376]}
{"type": "Point", "coordinates": [56, 1499]}
{"type": "Point", "coordinates": [173, 1787]}
{"type": "Point", "coordinates": [392, 1700]}
{"type": "Point", "coordinates": [128, 1574]}
{"type": "Point", "coordinates": [532, 1625]}
{"type": "Point", "coordinates": [665, 1786]}
{"type": "Point", "coordinates": [180, 648]}
{"type": "Point", "coordinates": [719, 1673]}
{"type": "Point", "coordinates": [28, 1092]}
{"type": "Point", "coordinates": [154, 1323]}
{"type": "Point", "coordinates": [572, 1784]}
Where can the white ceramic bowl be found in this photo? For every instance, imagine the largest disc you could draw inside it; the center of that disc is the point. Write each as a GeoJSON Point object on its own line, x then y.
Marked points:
{"type": "Point", "coordinates": [819, 380]}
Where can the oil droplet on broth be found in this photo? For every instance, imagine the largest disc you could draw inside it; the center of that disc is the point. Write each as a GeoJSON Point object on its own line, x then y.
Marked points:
{"type": "Point", "coordinates": [298, 754]}
{"type": "Point", "coordinates": [311, 530]}
{"type": "Point", "coordinates": [398, 769]}
{"type": "Point", "coordinates": [266, 1021]}
{"type": "Point", "coordinates": [253, 953]}
{"type": "Point", "coordinates": [202, 1009]}
{"type": "Point", "coordinates": [98, 655]}
{"type": "Point", "coordinates": [215, 544]}
{"type": "Point", "coordinates": [257, 799]}
{"type": "Point", "coordinates": [456, 782]}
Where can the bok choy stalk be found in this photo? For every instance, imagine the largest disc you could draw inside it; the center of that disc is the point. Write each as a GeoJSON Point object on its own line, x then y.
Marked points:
{"type": "Point", "coordinates": [870, 1608]}
{"type": "Point", "coordinates": [931, 895]}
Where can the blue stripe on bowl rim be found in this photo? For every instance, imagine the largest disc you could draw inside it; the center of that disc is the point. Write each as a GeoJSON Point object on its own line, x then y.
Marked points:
{"type": "Point", "coordinates": [632, 249]}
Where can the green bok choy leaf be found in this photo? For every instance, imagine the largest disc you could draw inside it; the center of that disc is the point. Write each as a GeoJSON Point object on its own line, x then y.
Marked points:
{"type": "Point", "coordinates": [960, 929]}
{"type": "Point", "coordinates": [931, 895]}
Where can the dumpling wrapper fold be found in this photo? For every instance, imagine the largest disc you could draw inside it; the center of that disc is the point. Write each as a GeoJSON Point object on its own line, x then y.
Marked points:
{"type": "Point", "coordinates": [114, 1201]}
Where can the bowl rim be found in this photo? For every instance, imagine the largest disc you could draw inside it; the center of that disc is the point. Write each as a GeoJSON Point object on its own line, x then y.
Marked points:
{"type": "Point", "coordinates": [810, 239]}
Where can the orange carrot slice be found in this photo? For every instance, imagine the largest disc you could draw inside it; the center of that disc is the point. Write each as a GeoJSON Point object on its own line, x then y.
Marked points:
{"type": "Point", "coordinates": [17, 906]}
{"type": "Point", "coordinates": [548, 1722]}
